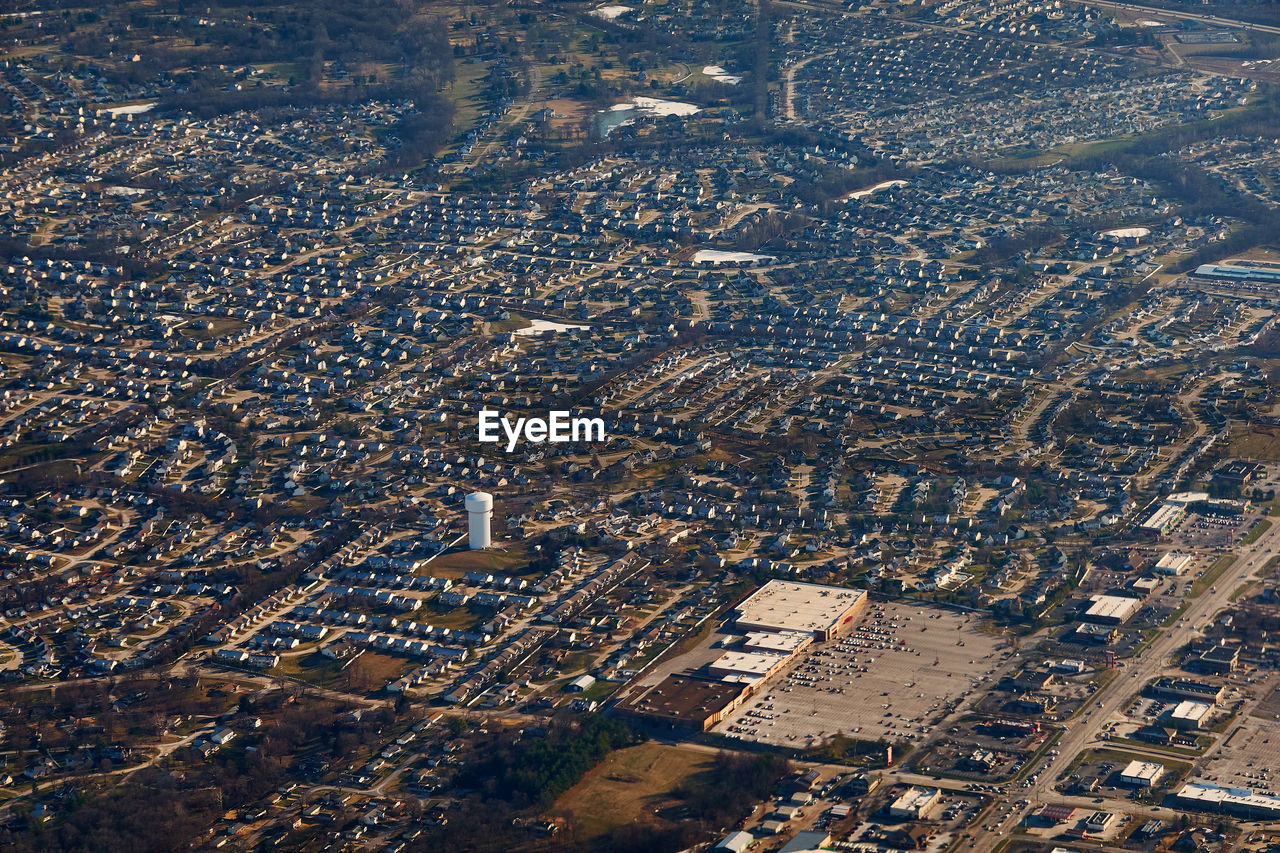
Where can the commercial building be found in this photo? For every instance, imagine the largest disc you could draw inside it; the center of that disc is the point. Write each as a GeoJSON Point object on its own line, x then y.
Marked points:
{"type": "Point", "coordinates": [1239, 473]}
{"type": "Point", "coordinates": [746, 667]}
{"type": "Point", "coordinates": [1186, 688]}
{"type": "Point", "coordinates": [1190, 714]}
{"type": "Point", "coordinates": [1053, 814]}
{"type": "Point", "coordinates": [1087, 632]}
{"type": "Point", "coordinates": [1162, 522]}
{"type": "Point", "coordinates": [1219, 659]}
{"type": "Point", "coordinates": [916, 803]}
{"type": "Point", "coordinates": [1242, 802]}
{"type": "Point", "coordinates": [1111, 609]}
{"type": "Point", "coordinates": [1142, 774]}
{"type": "Point", "coordinates": [1174, 563]}
{"type": "Point", "coordinates": [782, 642]}
{"type": "Point", "coordinates": [1097, 822]}
{"type": "Point", "coordinates": [787, 606]}
{"type": "Point", "coordinates": [680, 702]}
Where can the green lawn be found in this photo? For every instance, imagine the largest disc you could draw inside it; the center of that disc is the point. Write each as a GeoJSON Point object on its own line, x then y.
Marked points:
{"type": "Point", "coordinates": [1210, 577]}
{"type": "Point", "coordinates": [1256, 531]}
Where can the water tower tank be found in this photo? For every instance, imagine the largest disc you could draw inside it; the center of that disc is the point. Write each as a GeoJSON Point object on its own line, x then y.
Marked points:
{"type": "Point", "coordinates": [479, 513]}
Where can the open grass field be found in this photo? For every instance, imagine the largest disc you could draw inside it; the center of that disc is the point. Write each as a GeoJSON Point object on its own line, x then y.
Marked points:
{"type": "Point", "coordinates": [1258, 443]}
{"type": "Point", "coordinates": [507, 560]}
{"type": "Point", "coordinates": [628, 787]}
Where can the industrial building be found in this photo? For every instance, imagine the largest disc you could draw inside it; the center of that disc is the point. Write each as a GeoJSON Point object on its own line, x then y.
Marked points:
{"type": "Point", "coordinates": [787, 606]}
{"type": "Point", "coordinates": [916, 803]}
{"type": "Point", "coordinates": [735, 842]}
{"type": "Point", "coordinates": [807, 840]}
{"type": "Point", "coordinates": [1111, 609]}
{"type": "Point", "coordinates": [1142, 774]}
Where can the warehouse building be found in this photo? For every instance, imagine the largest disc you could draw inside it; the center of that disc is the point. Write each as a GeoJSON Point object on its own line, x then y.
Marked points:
{"type": "Point", "coordinates": [786, 606]}
{"type": "Point", "coordinates": [1238, 272]}
{"type": "Point", "coordinates": [735, 842]}
{"type": "Point", "coordinates": [1142, 774]}
{"type": "Point", "coordinates": [807, 841]}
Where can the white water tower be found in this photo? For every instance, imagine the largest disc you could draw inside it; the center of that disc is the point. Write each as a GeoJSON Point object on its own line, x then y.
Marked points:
{"type": "Point", "coordinates": [479, 514]}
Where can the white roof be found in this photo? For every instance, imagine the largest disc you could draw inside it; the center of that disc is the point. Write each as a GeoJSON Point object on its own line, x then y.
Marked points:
{"type": "Point", "coordinates": [1189, 709]}
{"type": "Point", "coordinates": [754, 664]}
{"type": "Point", "coordinates": [736, 841]}
{"type": "Point", "coordinates": [1162, 516]}
{"type": "Point", "coordinates": [1116, 607]}
{"type": "Point", "coordinates": [776, 641]}
{"type": "Point", "coordinates": [1174, 563]}
{"type": "Point", "coordinates": [1216, 795]}
{"type": "Point", "coordinates": [914, 798]}
{"type": "Point", "coordinates": [1142, 770]}
{"type": "Point", "coordinates": [791, 606]}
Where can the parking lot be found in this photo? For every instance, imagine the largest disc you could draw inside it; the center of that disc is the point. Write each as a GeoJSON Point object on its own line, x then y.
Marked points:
{"type": "Point", "coordinates": [902, 668]}
{"type": "Point", "coordinates": [1247, 758]}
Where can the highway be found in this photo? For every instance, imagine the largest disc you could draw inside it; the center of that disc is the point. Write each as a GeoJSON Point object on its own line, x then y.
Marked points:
{"type": "Point", "coordinates": [1214, 20]}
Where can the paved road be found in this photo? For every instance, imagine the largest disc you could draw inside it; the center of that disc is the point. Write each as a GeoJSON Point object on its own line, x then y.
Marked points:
{"type": "Point", "coordinates": [1111, 700]}
{"type": "Point", "coordinates": [1215, 20]}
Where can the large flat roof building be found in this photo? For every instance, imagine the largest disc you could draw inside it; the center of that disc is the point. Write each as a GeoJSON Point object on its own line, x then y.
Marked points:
{"type": "Point", "coordinates": [1174, 563]}
{"type": "Point", "coordinates": [747, 667]}
{"type": "Point", "coordinates": [1238, 272]}
{"type": "Point", "coordinates": [823, 611]}
{"type": "Point", "coordinates": [778, 642]}
{"type": "Point", "coordinates": [686, 703]}
{"type": "Point", "coordinates": [1237, 801]}
{"type": "Point", "coordinates": [1166, 517]}
{"type": "Point", "coordinates": [1111, 609]}
{"type": "Point", "coordinates": [1141, 774]}
{"type": "Point", "coordinates": [916, 803]}
{"type": "Point", "coordinates": [1190, 714]}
